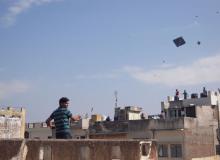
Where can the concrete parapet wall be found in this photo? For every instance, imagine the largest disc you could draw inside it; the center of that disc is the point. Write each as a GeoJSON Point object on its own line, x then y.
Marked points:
{"type": "Point", "coordinates": [77, 150]}
{"type": "Point", "coordinates": [9, 148]}
{"type": "Point", "coordinates": [109, 127]}
{"type": "Point", "coordinates": [148, 124]}
{"type": "Point", "coordinates": [161, 124]}
{"type": "Point", "coordinates": [208, 158]}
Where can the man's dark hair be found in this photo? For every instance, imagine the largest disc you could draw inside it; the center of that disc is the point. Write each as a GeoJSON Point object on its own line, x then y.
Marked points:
{"type": "Point", "coordinates": [63, 100]}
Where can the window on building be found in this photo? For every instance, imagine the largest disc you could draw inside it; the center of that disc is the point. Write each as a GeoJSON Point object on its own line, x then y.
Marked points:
{"type": "Point", "coordinates": [191, 111]}
{"type": "Point", "coordinates": [36, 137]}
{"type": "Point", "coordinates": [26, 134]}
{"type": "Point", "coordinates": [145, 147]}
{"type": "Point", "coordinates": [163, 150]}
{"type": "Point", "coordinates": [30, 125]}
{"type": "Point", "coordinates": [179, 113]}
{"type": "Point", "coordinates": [172, 113]}
{"type": "Point", "coordinates": [176, 150]}
{"type": "Point", "coordinates": [44, 125]}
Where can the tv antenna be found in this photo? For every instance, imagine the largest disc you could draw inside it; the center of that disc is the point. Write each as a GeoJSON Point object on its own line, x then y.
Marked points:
{"type": "Point", "coordinates": [116, 99]}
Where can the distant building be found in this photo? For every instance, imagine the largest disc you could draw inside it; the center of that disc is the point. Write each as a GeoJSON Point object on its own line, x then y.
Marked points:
{"type": "Point", "coordinates": [127, 113]}
{"type": "Point", "coordinates": [186, 130]}
{"type": "Point", "coordinates": [12, 122]}
{"type": "Point", "coordinates": [97, 118]}
{"type": "Point", "coordinates": [40, 130]}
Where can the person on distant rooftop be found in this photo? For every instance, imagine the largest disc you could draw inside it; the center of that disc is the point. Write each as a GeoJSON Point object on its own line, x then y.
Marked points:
{"type": "Point", "coordinates": [205, 94]}
{"type": "Point", "coordinates": [108, 119]}
{"type": "Point", "coordinates": [176, 95]}
{"type": "Point", "coordinates": [185, 94]}
{"type": "Point", "coordinates": [61, 117]}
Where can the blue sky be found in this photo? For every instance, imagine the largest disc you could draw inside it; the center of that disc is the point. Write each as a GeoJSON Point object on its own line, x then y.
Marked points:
{"type": "Point", "coordinates": [87, 49]}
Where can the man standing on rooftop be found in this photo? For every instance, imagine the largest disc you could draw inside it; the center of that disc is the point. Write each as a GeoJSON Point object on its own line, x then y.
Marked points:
{"type": "Point", "coordinates": [61, 117]}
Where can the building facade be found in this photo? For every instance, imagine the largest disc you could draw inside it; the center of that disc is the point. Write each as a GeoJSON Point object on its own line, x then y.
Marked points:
{"type": "Point", "coordinates": [185, 129]}
{"type": "Point", "coordinates": [12, 122]}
